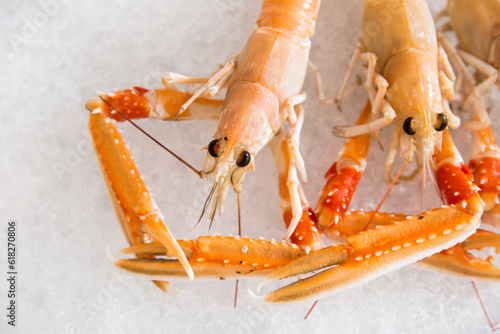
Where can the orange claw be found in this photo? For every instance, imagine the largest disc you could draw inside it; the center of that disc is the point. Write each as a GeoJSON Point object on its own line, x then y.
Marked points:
{"type": "Point", "coordinates": [306, 233]}
{"type": "Point", "coordinates": [392, 241]}
{"type": "Point", "coordinates": [213, 257]}
{"type": "Point", "coordinates": [455, 179]}
{"type": "Point", "coordinates": [459, 261]}
{"type": "Point", "coordinates": [162, 103]}
{"type": "Point", "coordinates": [485, 164]}
{"type": "Point", "coordinates": [377, 251]}
{"type": "Point", "coordinates": [131, 103]}
{"type": "Point", "coordinates": [133, 204]}
{"type": "Point", "coordinates": [343, 176]}
{"type": "Point", "coordinates": [487, 178]}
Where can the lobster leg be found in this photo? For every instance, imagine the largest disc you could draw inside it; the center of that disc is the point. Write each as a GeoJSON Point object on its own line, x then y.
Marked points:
{"type": "Point", "coordinates": [161, 103]}
{"type": "Point", "coordinates": [210, 84]}
{"type": "Point", "coordinates": [343, 177]}
{"type": "Point", "coordinates": [213, 257]}
{"type": "Point", "coordinates": [133, 204]}
{"type": "Point", "coordinates": [459, 261]}
{"type": "Point", "coordinates": [141, 220]}
{"type": "Point", "coordinates": [485, 164]}
{"type": "Point", "coordinates": [306, 235]}
{"type": "Point", "coordinates": [397, 243]}
{"type": "Point", "coordinates": [377, 97]}
{"type": "Point", "coordinates": [485, 160]}
{"type": "Point", "coordinates": [485, 69]}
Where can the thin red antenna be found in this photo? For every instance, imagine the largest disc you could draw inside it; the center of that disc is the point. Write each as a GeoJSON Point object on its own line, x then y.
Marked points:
{"type": "Point", "coordinates": [236, 293]}
{"type": "Point", "coordinates": [305, 318]}
{"type": "Point", "coordinates": [386, 194]}
{"type": "Point", "coordinates": [493, 326]}
{"type": "Point", "coordinates": [239, 233]}
{"type": "Point", "coordinates": [239, 214]}
{"type": "Point", "coordinates": [151, 137]}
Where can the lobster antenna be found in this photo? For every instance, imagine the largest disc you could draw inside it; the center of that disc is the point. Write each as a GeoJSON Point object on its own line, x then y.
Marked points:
{"type": "Point", "coordinates": [151, 137]}
{"type": "Point", "coordinates": [422, 182]}
{"type": "Point", "coordinates": [239, 213]}
{"type": "Point", "coordinates": [432, 168]}
{"type": "Point", "coordinates": [207, 202]}
{"type": "Point", "coordinates": [212, 215]}
{"type": "Point", "coordinates": [386, 193]}
{"type": "Point", "coordinates": [239, 234]}
{"type": "Point", "coordinates": [310, 310]}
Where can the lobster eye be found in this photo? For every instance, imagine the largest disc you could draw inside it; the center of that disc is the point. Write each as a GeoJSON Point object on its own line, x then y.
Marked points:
{"type": "Point", "coordinates": [408, 126]}
{"type": "Point", "coordinates": [441, 122]}
{"type": "Point", "coordinates": [213, 148]}
{"type": "Point", "coordinates": [243, 159]}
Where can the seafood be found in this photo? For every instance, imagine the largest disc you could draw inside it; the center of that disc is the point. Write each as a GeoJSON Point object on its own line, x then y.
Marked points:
{"type": "Point", "coordinates": [263, 84]}
{"type": "Point", "coordinates": [414, 84]}
{"type": "Point", "coordinates": [477, 27]}
{"type": "Point", "coordinates": [224, 257]}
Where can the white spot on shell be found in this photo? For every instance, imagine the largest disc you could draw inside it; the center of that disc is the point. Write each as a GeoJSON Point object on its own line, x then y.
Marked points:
{"type": "Point", "coordinates": [244, 249]}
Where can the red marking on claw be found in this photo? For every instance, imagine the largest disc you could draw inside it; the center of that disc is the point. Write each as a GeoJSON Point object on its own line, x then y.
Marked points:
{"type": "Point", "coordinates": [487, 178]}
{"type": "Point", "coordinates": [337, 194]}
{"type": "Point", "coordinates": [455, 183]}
{"type": "Point", "coordinates": [131, 103]}
{"type": "Point", "coordinates": [306, 233]}
{"type": "Point", "coordinates": [141, 90]}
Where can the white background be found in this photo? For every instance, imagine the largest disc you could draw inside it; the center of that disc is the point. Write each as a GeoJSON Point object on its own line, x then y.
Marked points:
{"type": "Point", "coordinates": [56, 54]}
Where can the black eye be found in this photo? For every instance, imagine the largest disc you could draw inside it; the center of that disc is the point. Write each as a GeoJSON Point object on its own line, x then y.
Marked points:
{"type": "Point", "coordinates": [441, 122]}
{"type": "Point", "coordinates": [408, 126]}
{"type": "Point", "coordinates": [243, 159]}
{"type": "Point", "coordinates": [213, 148]}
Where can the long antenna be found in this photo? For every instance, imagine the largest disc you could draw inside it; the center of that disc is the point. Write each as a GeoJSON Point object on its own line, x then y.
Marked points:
{"type": "Point", "coordinates": [239, 213]}
{"type": "Point", "coordinates": [310, 310]}
{"type": "Point", "coordinates": [239, 234]}
{"type": "Point", "coordinates": [151, 137]}
{"type": "Point", "coordinates": [207, 202]}
{"type": "Point", "coordinates": [386, 194]}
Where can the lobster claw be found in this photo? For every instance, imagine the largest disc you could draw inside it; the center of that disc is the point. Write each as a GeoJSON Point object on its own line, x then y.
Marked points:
{"type": "Point", "coordinates": [393, 241]}
{"type": "Point", "coordinates": [459, 261]}
{"type": "Point", "coordinates": [378, 251]}
{"type": "Point", "coordinates": [211, 257]}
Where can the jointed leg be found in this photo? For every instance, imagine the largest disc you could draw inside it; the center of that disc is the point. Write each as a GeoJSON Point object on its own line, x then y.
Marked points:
{"type": "Point", "coordinates": [343, 177]}
{"type": "Point", "coordinates": [296, 118]}
{"type": "Point", "coordinates": [370, 127]}
{"type": "Point", "coordinates": [211, 83]}
{"type": "Point", "coordinates": [481, 118]}
{"type": "Point", "coordinates": [134, 206]}
{"type": "Point", "coordinates": [352, 64]}
{"type": "Point", "coordinates": [485, 69]}
{"type": "Point", "coordinates": [161, 103]}
{"type": "Point", "coordinates": [299, 218]}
